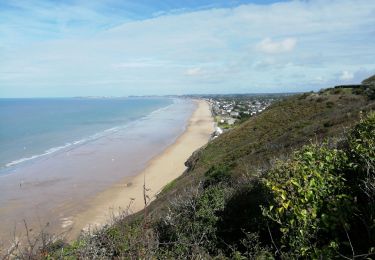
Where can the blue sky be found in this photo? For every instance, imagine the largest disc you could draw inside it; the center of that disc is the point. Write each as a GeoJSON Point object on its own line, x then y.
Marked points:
{"type": "Point", "coordinates": [123, 47]}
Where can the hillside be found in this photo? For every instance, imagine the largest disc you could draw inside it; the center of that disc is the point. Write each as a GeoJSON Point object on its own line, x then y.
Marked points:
{"type": "Point", "coordinates": [282, 128]}
{"type": "Point", "coordinates": [369, 81]}
{"type": "Point", "coordinates": [294, 181]}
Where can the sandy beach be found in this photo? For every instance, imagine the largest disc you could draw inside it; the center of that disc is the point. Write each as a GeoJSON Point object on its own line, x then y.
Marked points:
{"type": "Point", "coordinates": [83, 185]}
{"type": "Point", "coordinates": [161, 170]}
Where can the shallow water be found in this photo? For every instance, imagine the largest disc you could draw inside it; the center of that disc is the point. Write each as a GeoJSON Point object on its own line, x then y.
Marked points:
{"type": "Point", "coordinates": [31, 128]}
{"type": "Point", "coordinates": [54, 187]}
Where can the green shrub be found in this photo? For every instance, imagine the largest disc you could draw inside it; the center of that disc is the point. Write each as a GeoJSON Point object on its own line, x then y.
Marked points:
{"type": "Point", "coordinates": [361, 179]}
{"type": "Point", "coordinates": [242, 215]}
{"type": "Point", "coordinates": [362, 145]}
{"type": "Point", "coordinates": [311, 201]}
{"type": "Point", "coordinates": [170, 186]}
{"type": "Point", "coordinates": [370, 92]}
{"type": "Point", "coordinates": [337, 91]}
{"type": "Point", "coordinates": [217, 174]}
{"type": "Point", "coordinates": [330, 104]}
{"type": "Point", "coordinates": [191, 222]}
{"type": "Point", "coordinates": [324, 198]}
{"type": "Point", "coordinates": [254, 249]}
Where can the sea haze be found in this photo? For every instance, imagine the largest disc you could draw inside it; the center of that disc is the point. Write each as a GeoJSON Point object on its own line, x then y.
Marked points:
{"type": "Point", "coordinates": [33, 128]}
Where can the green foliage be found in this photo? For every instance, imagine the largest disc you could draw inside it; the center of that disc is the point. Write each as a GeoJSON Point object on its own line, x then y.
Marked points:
{"type": "Point", "coordinates": [370, 92]}
{"type": "Point", "coordinates": [324, 199]}
{"type": "Point", "coordinates": [362, 144]}
{"type": "Point", "coordinates": [330, 104]}
{"type": "Point", "coordinates": [310, 200]}
{"type": "Point", "coordinates": [369, 80]}
{"type": "Point", "coordinates": [242, 215]}
{"type": "Point", "coordinates": [192, 220]}
{"type": "Point", "coordinates": [217, 174]}
{"type": "Point", "coordinates": [319, 203]}
{"type": "Point", "coordinates": [254, 249]}
{"type": "Point", "coordinates": [281, 128]}
{"type": "Point", "coordinates": [360, 148]}
{"type": "Point", "coordinates": [170, 186]}
{"type": "Point", "coordinates": [225, 125]}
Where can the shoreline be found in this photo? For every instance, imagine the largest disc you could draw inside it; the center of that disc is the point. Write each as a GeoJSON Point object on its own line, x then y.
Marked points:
{"type": "Point", "coordinates": [72, 142]}
{"type": "Point", "coordinates": [56, 189]}
{"type": "Point", "coordinates": [159, 171]}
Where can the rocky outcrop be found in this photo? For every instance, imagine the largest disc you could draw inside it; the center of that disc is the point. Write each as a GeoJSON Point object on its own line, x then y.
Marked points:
{"type": "Point", "coordinates": [193, 159]}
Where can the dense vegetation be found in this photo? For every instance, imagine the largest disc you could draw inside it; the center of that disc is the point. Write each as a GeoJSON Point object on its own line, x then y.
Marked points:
{"type": "Point", "coordinates": [297, 181]}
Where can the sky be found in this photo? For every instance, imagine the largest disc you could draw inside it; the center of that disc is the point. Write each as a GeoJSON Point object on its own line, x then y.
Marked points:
{"type": "Point", "coordinates": [55, 48]}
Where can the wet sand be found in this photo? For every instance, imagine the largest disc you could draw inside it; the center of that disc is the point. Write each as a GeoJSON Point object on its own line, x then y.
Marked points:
{"type": "Point", "coordinates": [161, 170]}
{"type": "Point", "coordinates": [83, 186]}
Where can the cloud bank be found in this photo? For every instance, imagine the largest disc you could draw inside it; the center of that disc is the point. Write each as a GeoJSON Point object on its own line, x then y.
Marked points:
{"type": "Point", "coordinates": [272, 47]}
{"type": "Point", "coordinates": [286, 46]}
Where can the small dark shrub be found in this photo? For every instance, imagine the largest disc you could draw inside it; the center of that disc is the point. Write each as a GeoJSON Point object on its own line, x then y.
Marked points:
{"type": "Point", "coordinates": [242, 215]}
{"type": "Point", "coordinates": [330, 104]}
{"type": "Point", "coordinates": [337, 91]}
{"type": "Point", "coordinates": [217, 174]}
{"type": "Point", "coordinates": [327, 124]}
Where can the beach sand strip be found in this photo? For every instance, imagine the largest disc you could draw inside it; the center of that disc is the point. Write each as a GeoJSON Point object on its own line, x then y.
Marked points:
{"type": "Point", "coordinates": [160, 171]}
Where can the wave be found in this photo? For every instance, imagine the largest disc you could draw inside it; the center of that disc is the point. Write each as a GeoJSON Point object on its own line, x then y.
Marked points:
{"type": "Point", "coordinates": [90, 138]}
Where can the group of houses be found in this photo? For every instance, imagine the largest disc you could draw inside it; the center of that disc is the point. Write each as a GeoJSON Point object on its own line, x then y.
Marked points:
{"type": "Point", "coordinates": [228, 110]}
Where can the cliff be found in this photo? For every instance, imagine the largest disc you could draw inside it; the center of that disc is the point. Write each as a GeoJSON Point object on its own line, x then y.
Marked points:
{"type": "Point", "coordinates": [296, 181]}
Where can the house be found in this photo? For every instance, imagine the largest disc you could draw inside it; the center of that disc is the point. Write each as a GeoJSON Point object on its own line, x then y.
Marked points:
{"type": "Point", "coordinates": [235, 114]}
{"type": "Point", "coordinates": [218, 131]}
{"type": "Point", "coordinates": [231, 121]}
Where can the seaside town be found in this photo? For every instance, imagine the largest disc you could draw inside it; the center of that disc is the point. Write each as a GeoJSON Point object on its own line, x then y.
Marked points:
{"type": "Point", "coordinates": [230, 110]}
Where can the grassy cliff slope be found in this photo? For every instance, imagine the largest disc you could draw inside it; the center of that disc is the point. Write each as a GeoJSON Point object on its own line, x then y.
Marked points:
{"type": "Point", "coordinates": [295, 181]}
{"type": "Point", "coordinates": [282, 128]}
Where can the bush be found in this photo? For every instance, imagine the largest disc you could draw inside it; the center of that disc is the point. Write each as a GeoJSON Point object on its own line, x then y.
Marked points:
{"type": "Point", "coordinates": [370, 92]}
{"type": "Point", "coordinates": [191, 222]}
{"type": "Point", "coordinates": [311, 200]}
{"type": "Point", "coordinates": [324, 198]}
{"type": "Point", "coordinates": [242, 215]}
{"type": "Point", "coordinates": [362, 145]}
{"type": "Point", "coordinates": [254, 249]}
{"type": "Point", "coordinates": [330, 104]}
{"type": "Point", "coordinates": [217, 174]}
{"type": "Point", "coordinates": [360, 148]}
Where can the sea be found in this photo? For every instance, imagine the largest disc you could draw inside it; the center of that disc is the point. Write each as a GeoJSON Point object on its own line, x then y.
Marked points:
{"type": "Point", "coordinates": [57, 154]}
{"type": "Point", "coordinates": [37, 127]}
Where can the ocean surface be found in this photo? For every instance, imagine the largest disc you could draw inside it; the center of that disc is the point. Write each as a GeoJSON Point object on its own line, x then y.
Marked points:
{"type": "Point", "coordinates": [58, 154]}
{"type": "Point", "coordinates": [33, 128]}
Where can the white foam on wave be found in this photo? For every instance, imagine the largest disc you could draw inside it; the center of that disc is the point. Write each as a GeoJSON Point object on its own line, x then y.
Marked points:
{"type": "Point", "coordinates": [87, 139]}
{"type": "Point", "coordinates": [67, 145]}
{"type": "Point", "coordinates": [47, 152]}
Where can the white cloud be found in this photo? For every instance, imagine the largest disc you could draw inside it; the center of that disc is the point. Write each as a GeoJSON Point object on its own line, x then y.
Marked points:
{"type": "Point", "coordinates": [267, 45]}
{"type": "Point", "coordinates": [354, 76]}
{"type": "Point", "coordinates": [142, 63]}
{"type": "Point", "coordinates": [346, 75]}
{"type": "Point", "coordinates": [194, 72]}
{"type": "Point", "coordinates": [200, 51]}
{"type": "Point", "coordinates": [320, 79]}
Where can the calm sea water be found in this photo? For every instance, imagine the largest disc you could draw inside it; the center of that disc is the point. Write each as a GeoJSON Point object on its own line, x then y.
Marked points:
{"type": "Point", "coordinates": [33, 128]}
